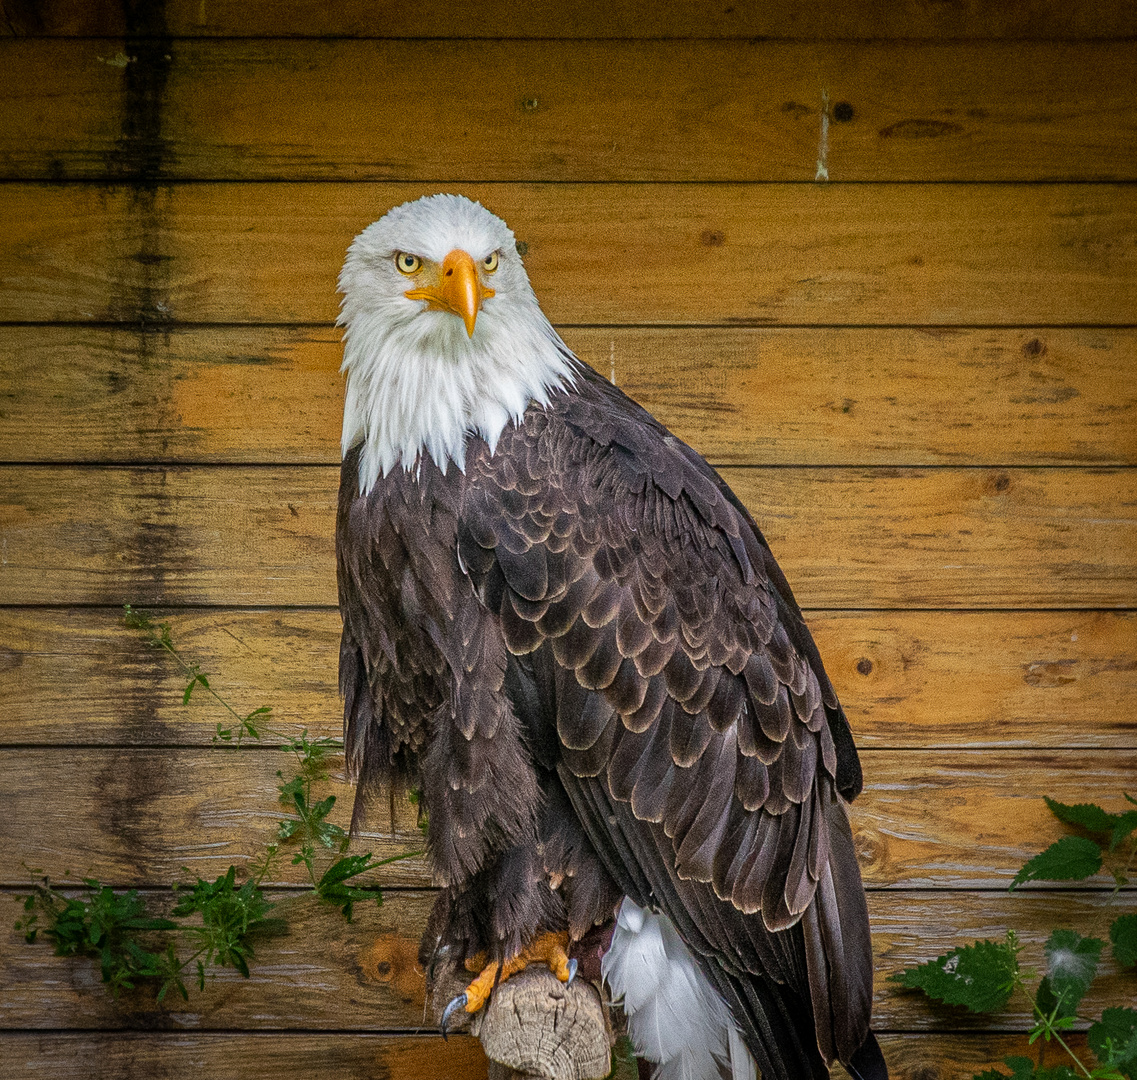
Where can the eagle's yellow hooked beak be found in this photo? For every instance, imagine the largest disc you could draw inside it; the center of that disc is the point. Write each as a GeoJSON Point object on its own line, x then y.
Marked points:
{"type": "Point", "coordinates": [459, 290]}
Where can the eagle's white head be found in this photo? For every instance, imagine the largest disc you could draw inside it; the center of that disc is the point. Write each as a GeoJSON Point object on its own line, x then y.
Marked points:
{"type": "Point", "coordinates": [443, 336]}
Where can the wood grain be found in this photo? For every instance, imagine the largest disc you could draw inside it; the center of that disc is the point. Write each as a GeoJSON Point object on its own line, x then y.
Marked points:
{"type": "Point", "coordinates": [927, 818]}
{"type": "Point", "coordinates": [548, 18]}
{"type": "Point", "coordinates": [846, 537]}
{"type": "Point", "coordinates": [576, 110]}
{"type": "Point", "coordinates": [776, 396]}
{"type": "Point", "coordinates": [352, 1056]}
{"type": "Point", "coordinates": [907, 679]}
{"type": "Point", "coordinates": [363, 976]}
{"type": "Point", "coordinates": [124, 1055]}
{"type": "Point", "coordinates": [813, 254]}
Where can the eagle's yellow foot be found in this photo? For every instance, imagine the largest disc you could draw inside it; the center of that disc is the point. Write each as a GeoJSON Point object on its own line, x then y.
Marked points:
{"type": "Point", "coordinates": [548, 949]}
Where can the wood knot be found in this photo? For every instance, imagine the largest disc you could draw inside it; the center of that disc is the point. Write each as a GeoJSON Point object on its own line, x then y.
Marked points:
{"type": "Point", "coordinates": [864, 665]}
{"type": "Point", "coordinates": [871, 847]}
{"type": "Point", "coordinates": [712, 238]}
{"type": "Point", "coordinates": [392, 961]}
{"type": "Point", "coordinates": [843, 112]}
{"type": "Point", "coordinates": [1034, 347]}
{"type": "Point", "coordinates": [998, 484]}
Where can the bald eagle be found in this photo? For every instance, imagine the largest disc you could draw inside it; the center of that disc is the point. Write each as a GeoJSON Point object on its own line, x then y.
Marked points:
{"type": "Point", "coordinates": [563, 627]}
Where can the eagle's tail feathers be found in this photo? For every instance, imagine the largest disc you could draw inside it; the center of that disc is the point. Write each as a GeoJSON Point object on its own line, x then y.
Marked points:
{"type": "Point", "coordinates": [837, 947]}
{"type": "Point", "coordinates": [868, 1062]}
{"type": "Point", "coordinates": [675, 1017]}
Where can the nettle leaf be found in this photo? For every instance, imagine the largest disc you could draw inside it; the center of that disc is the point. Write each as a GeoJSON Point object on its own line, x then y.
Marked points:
{"type": "Point", "coordinates": [1123, 937]}
{"type": "Point", "coordinates": [1113, 1039]}
{"type": "Point", "coordinates": [1072, 858]}
{"type": "Point", "coordinates": [1095, 819]}
{"type": "Point", "coordinates": [979, 977]}
{"type": "Point", "coordinates": [1072, 963]}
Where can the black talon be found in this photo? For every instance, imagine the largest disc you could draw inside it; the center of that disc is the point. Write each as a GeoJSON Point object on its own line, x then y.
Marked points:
{"type": "Point", "coordinates": [572, 971]}
{"type": "Point", "coordinates": [456, 1003]}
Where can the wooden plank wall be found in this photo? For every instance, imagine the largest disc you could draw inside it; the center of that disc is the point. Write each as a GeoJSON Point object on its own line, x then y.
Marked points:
{"type": "Point", "coordinates": [921, 374]}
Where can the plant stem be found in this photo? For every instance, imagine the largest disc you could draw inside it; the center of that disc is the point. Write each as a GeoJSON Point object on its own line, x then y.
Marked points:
{"type": "Point", "coordinates": [1044, 1026]}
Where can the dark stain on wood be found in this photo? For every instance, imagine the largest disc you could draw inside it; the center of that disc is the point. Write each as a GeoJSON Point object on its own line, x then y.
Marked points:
{"type": "Point", "coordinates": [1050, 673]}
{"type": "Point", "coordinates": [920, 129]}
{"type": "Point", "coordinates": [126, 787]}
{"type": "Point", "coordinates": [140, 158]}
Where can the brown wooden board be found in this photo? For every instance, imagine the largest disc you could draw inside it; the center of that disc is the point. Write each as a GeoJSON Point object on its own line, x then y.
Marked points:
{"type": "Point", "coordinates": [846, 537]}
{"type": "Point", "coordinates": [935, 818]}
{"type": "Point", "coordinates": [550, 18]}
{"type": "Point", "coordinates": [462, 111]}
{"type": "Point", "coordinates": [903, 396]}
{"type": "Point", "coordinates": [353, 1056]}
{"type": "Point", "coordinates": [364, 976]}
{"type": "Point", "coordinates": [329, 1056]}
{"type": "Point", "coordinates": [906, 678]}
{"type": "Point", "coordinates": [836, 254]}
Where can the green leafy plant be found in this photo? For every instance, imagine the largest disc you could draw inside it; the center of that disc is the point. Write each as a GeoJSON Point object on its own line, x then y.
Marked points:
{"type": "Point", "coordinates": [211, 924]}
{"type": "Point", "coordinates": [984, 976]}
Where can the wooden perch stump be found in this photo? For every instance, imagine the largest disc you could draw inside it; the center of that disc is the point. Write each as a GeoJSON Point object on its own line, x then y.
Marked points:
{"type": "Point", "coordinates": [535, 1027]}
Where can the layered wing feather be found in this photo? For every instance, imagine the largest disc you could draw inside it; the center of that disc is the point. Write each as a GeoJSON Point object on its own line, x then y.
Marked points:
{"type": "Point", "coordinates": [701, 742]}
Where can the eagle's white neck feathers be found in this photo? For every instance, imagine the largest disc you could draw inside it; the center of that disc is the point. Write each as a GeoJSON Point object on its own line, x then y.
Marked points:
{"type": "Point", "coordinates": [416, 381]}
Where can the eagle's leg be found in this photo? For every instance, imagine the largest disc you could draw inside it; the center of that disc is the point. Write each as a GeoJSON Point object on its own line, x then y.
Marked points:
{"type": "Point", "coordinates": [550, 949]}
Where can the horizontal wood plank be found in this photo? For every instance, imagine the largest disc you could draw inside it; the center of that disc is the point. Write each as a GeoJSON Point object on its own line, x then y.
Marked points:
{"type": "Point", "coordinates": [772, 396]}
{"type": "Point", "coordinates": [906, 678]}
{"type": "Point", "coordinates": [598, 254]}
{"type": "Point", "coordinates": [550, 18]}
{"type": "Point", "coordinates": [364, 976]}
{"type": "Point", "coordinates": [331, 1056]}
{"type": "Point", "coordinates": [352, 1056]}
{"type": "Point", "coordinates": [936, 818]}
{"type": "Point", "coordinates": [571, 111]}
{"type": "Point", "coordinates": [862, 538]}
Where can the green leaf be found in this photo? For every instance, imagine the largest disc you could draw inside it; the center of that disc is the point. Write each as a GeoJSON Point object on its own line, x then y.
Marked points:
{"type": "Point", "coordinates": [1058, 1072]}
{"type": "Point", "coordinates": [1069, 859]}
{"type": "Point", "coordinates": [1113, 1039]}
{"type": "Point", "coordinates": [285, 830]}
{"type": "Point", "coordinates": [1072, 963]}
{"type": "Point", "coordinates": [1095, 819]}
{"type": "Point", "coordinates": [1123, 937]}
{"type": "Point", "coordinates": [980, 976]}
{"type": "Point", "coordinates": [1087, 815]}
{"type": "Point", "coordinates": [347, 867]}
{"type": "Point", "coordinates": [198, 677]}
{"type": "Point", "coordinates": [292, 791]}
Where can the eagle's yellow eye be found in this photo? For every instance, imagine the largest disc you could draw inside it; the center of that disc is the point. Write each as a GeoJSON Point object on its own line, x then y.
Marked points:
{"type": "Point", "coordinates": [489, 263]}
{"type": "Point", "coordinates": [408, 263]}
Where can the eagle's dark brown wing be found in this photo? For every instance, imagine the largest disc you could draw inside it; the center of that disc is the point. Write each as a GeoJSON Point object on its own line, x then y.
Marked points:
{"type": "Point", "coordinates": [701, 743]}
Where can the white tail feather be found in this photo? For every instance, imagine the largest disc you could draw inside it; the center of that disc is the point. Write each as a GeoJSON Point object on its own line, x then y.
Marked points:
{"type": "Point", "coordinates": [675, 1017]}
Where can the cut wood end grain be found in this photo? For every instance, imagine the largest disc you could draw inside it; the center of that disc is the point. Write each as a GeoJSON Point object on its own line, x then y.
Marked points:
{"type": "Point", "coordinates": [535, 1027]}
